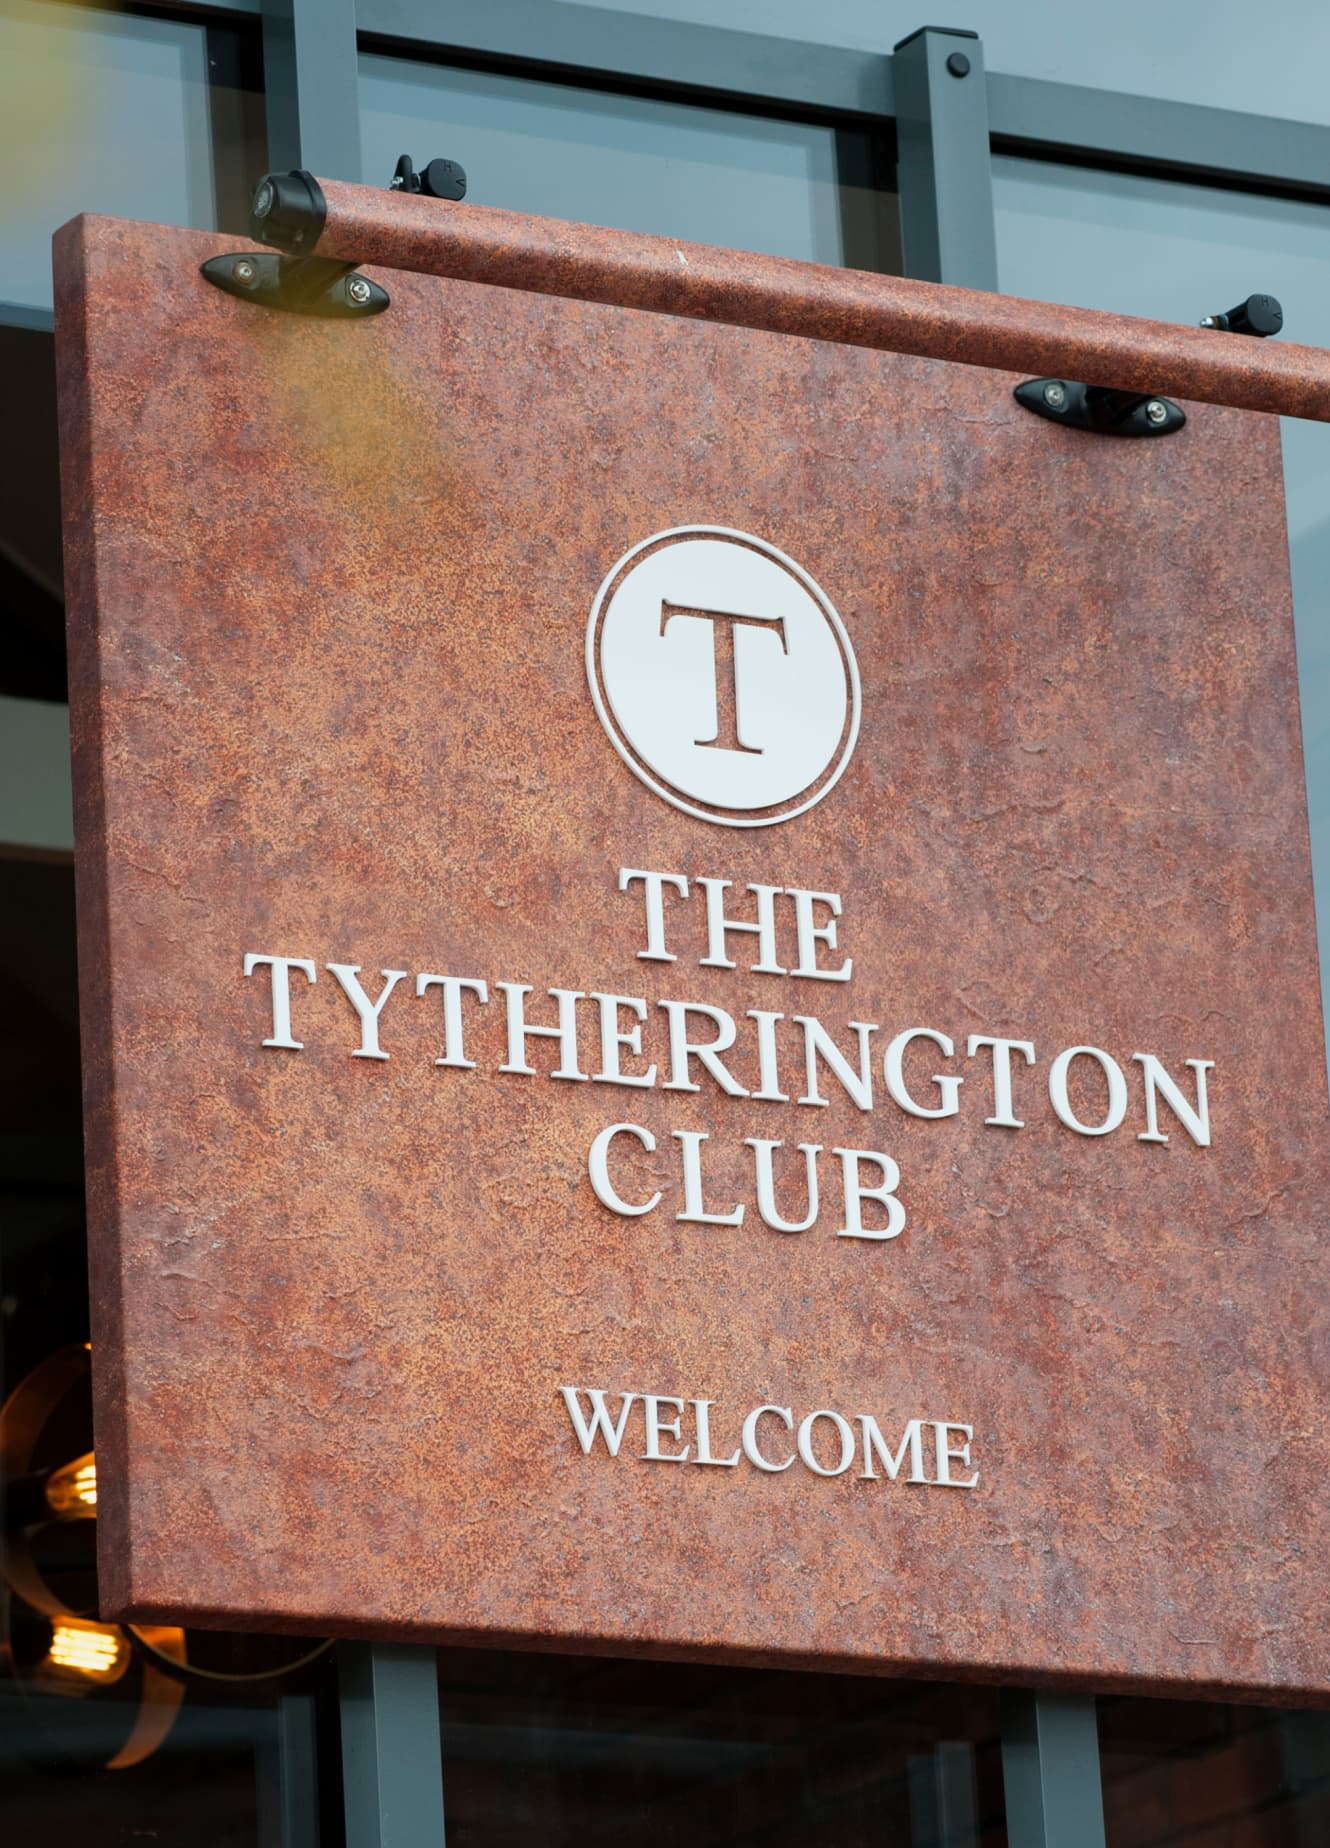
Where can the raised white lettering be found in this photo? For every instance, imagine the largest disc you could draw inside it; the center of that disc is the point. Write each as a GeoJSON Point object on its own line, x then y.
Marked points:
{"type": "Point", "coordinates": [367, 1011]}
{"type": "Point", "coordinates": [1003, 1117]}
{"type": "Point", "coordinates": [1196, 1122]}
{"type": "Point", "coordinates": [947, 1455]}
{"type": "Point", "coordinates": [818, 1043]}
{"type": "Point", "coordinates": [856, 1193]}
{"type": "Point", "coordinates": [599, 1424]}
{"type": "Point", "coordinates": [599, 1171]}
{"type": "Point", "coordinates": [1117, 1090]}
{"type": "Point", "coordinates": [804, 1441]}
{"type": "Point", "coordinates": [702, 1411]}
{"type": "Point", "coordinates": [656, 1427]}
{"type": "Point", "coordinates": [748, 1437]}
{"type": "Point", "coordinates": [682, 1049]}
{"type": "Point", "coordinates": [693, 1210]}
{"type": "Point", "coordinates": [281, 967]}
{"type": "Point", "coordinates": [718, 925]}
{"type": "Point", "coordinates": [766, 1182]}
{"type": "Point", "coordinates": [654, 885]}
{"type": "Point", "coordinates": [875, 1445]}
{"type": "Point", "coordinates": [611, 1039]}
{"type": "Point", "coordinates": [519, 1032]}
{"type": "Point", "coordinates": [453, 987]}
{"type": "Point", "coordinates": [809, 934]}
{"type": "Point", "coordinates": [893, 1062]}
{"type": "Point", "coordinates": [769, 1090]}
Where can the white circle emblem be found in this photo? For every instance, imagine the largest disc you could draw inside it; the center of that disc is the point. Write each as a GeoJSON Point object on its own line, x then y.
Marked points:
{"type": "Point", "coordinates": [723, 676]}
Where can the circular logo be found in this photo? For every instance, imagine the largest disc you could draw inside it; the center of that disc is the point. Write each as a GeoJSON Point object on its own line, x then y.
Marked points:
{"type": "Point", "coordinates": [723, 676]}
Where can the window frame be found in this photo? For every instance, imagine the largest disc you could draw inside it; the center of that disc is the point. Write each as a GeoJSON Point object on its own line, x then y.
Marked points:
{"type": "Point", "coordinates": [944, 137]}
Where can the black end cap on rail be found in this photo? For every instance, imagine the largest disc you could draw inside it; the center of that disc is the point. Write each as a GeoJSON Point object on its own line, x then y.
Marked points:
{"type": "Point", "coordinates": [1260, 315]}
{"type": "Point", "coordinates": [288, 211]}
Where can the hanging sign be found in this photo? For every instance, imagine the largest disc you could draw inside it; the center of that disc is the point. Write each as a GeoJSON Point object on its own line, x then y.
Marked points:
{"type": "Point", "coordinates": [699, 990]}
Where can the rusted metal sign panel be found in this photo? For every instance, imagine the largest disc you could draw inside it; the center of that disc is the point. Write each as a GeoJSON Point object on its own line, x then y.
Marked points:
{"type": "Point", "coordinates": [699, 991]}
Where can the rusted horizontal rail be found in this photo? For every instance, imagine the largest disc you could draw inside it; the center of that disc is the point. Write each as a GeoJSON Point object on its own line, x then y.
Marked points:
{"type": "Point", "coordinates": [779, 295]}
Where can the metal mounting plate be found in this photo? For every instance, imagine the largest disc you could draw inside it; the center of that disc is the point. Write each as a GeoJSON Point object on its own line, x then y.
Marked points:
{"type": "Point", "coordinates": [320, 286]}
{"type": "Point", "coordinates": [1099, 410]}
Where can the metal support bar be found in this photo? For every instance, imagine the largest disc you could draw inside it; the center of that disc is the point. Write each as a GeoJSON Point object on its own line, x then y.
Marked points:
{"type": "Point", "coordinates": [392, 1765]}
{"type": "Point", "coordinates": [595, 43]}
{"type": "Point", "coordinates": [311, 86]}
{"type": "Point", "coordinates": [1050, 1771]}
{"type": "Point", "coordinates": [1033, 117]}
{"type": "Point", "coordinates": [895, 314]}
{"type": "Point", "coordinates": [943, 169]}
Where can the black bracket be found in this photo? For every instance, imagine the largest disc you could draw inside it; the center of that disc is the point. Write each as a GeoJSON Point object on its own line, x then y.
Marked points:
{"type": "Point", "coordinates": [319, 286]}
{"type": "Point", "coordinates": [1133, 413]}
{"type": "Point", "coordinates": [289, 211]}
{"type": "Point", "coordinates": [1100, 409]}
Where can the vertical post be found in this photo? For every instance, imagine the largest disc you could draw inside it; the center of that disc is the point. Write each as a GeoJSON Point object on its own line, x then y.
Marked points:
{"type": "Point", "coordinates": [392, 1763]}
{"type": "Point", "coordinates": [311, 86]}
{"type": "Point", "coordinates": [944, 1802]}
{"type": "Point", "coordinates": [1050, 1771]}
{"type": "Point", "coordinates": [943, 170]}
{"type": "Point", "coordinates": [288, 1777]}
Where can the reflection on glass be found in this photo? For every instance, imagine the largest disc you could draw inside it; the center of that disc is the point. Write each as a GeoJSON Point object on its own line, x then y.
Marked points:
{"type": "Point", "coordinates": [101, 112]}
{"type": "Point", "coordinates": [236, 1769]}
{"type": "Point", "coordinates": [707, 176]}
{"type": "Point", "coordinates": [1175, 252]}
{"type": "Point", "coordinates": [554, 1751]}
{"type": "Point", "coordinates": [1193, 1774]}
{"type": "Point", "coordinates": [112, 1732]}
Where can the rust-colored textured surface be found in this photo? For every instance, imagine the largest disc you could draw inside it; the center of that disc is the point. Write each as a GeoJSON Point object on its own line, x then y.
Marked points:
{"type": "Point", "coordinates": [780, 295]}
{"type": "Point", "coordinates": [329, 586]}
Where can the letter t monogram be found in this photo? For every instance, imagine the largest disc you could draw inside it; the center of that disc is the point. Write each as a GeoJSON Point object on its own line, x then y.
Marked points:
{"type": "Point", "coordinates": [726, 671]}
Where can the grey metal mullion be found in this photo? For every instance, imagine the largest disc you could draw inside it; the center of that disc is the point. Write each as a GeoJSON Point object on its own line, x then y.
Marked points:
{"type": "Point", "coordinates": [1050, 1771]}
{"type": "Point", "coordinates": [392, 1765]}
{"type": "Point", "coordinates": [943, 165]}
{"type": "Point", "coordinates": [311, 86]}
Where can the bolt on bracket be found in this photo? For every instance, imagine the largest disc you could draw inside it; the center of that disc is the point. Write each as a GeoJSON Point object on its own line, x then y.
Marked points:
{"type": "Point", "coordinates": [319, 286]}
{"type": "Point", "coordinates": [1100, 409]}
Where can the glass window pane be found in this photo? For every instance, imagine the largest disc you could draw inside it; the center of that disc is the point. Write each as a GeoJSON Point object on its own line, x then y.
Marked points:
{"type": "Point", "coordinates": [235, 1769]}
{"type": "Point", "coordinates": [1194, 1774]}
{"type": "Point", "coordinates": [99, 112]}
{"type": "Point", "coordinates": [704, 175]}
{"type": "Point", "coordinates": [1176, 252]}
{"type": "Point", "coordinates": [556, 1752]}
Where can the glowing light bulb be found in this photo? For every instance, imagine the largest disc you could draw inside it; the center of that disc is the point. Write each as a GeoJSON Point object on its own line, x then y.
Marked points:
{"type": "Point", "coordinates": [82, 1651]}
{"type": "Point", "coordinates": [71, 1492]}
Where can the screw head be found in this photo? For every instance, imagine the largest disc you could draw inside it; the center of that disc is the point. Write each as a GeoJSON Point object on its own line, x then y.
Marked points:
{"type": "Point", "coordinates": [958, 64]}
{"type": "Point", "coordinates": [1055, 394]}
{"type": "Point", "coordinates": [244, 271]}
{"type": "Point", "coordinates": [358, 290]}
{"type": "Point", "coordinates": [263, 199]}
{"type": "Point", "coordinates": [1156, 411]}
